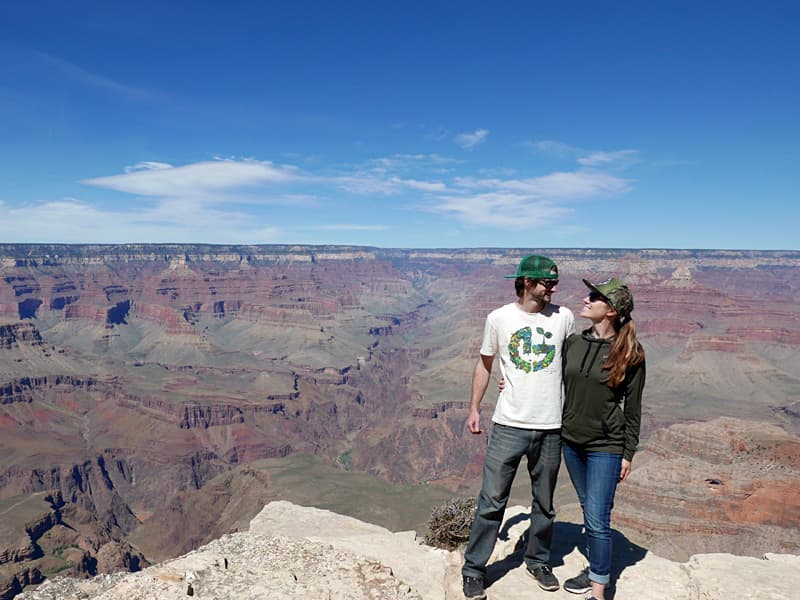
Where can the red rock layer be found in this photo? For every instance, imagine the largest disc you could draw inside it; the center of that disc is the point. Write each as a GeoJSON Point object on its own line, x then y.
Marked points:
{"type": "Point", "coordinates": [724, 478]}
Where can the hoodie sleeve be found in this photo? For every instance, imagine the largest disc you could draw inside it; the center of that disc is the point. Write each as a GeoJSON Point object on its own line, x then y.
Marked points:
{"type": "Point", "coordinates": [633, 409]}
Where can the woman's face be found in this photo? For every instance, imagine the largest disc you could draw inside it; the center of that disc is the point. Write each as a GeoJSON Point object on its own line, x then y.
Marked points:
{"type": "Point", "coordinates": [595, 307]}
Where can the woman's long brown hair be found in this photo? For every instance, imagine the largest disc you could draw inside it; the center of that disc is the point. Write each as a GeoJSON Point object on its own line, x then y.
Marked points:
{"type": "Point", "coordinates": [626, 351]}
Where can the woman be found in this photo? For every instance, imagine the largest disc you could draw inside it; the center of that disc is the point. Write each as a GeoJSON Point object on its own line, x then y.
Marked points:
{"type": "Point", "coordinates": [604, 373]}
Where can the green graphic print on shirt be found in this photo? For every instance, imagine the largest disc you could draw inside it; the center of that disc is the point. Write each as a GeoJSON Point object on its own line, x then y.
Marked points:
{"type": "Point", "coordinates": [524, 335]}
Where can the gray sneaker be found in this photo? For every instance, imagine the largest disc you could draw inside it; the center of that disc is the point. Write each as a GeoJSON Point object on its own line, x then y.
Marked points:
{"type": "Point", "coordinates": [579, 584]}
{"type": "Point", "coordinates": [473, 588]}
{"type": "Point", "coordinates": [543, 575]}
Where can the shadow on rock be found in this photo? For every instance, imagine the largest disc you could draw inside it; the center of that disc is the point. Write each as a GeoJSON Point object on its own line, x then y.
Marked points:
{"type": "Point", "coordinates": [566, 538]}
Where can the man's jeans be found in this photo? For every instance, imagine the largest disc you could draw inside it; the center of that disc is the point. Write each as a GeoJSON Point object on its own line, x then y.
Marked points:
{"type": "Point", "coordinates": [595, 476]}
{"type": "Point", "coordinates": [507, 445]}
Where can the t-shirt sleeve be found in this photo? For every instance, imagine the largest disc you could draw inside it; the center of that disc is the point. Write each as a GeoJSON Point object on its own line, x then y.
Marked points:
{"type": "Point", "coordinates": [489, 345]}
{"type": "Point", "coordinates": [570, 323]}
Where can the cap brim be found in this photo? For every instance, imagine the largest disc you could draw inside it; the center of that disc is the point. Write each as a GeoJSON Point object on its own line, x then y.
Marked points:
{"type": "Point", "coordinates": [592, 287]}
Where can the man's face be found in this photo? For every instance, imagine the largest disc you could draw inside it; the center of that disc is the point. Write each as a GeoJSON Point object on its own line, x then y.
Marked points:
{"type": "Point", "coordinates": [542, 290]}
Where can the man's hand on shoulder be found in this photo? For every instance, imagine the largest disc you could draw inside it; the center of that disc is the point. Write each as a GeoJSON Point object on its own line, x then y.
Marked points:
{"type": "Point", "coordinates": [474, 422]}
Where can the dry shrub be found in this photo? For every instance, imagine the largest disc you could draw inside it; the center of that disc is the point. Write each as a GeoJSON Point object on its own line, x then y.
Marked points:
{"type": "Point", "coordinates": [450, 523]}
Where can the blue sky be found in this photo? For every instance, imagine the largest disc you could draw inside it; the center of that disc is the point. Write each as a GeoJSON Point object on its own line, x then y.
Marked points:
{"type": "Point", "coordinates": [401, 124]}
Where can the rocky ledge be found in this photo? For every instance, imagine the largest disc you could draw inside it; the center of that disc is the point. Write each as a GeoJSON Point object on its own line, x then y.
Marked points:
{"type": "Point", "coordinates": [298, 552]}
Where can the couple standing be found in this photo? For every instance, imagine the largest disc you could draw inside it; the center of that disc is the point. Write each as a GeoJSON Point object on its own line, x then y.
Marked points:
{"type": "Point", "coordinates": [584, 389]}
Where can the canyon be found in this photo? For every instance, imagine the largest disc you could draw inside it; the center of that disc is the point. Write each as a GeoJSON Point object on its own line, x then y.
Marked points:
{"type": "Point", "coordinates": [150, 394]}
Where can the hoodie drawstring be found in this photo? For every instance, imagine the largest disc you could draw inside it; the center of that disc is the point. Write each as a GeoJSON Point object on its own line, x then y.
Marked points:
{"type": "Point", "coordinates": [597, 347]}
{"type": "Point", "coordinates": [585, 354]}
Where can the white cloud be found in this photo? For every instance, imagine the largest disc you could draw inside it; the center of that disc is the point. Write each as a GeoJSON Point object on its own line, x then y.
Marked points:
{"type": "Point", "coordinates": [498, 209]}
{"type": "Point", "coordinates": [559, 185]}
{"type": "Point", "coordinates": [401, 163]}
{"type": "Point", "coordinates": [202, 201]}
{"type": "Point", "coordinates": [519, 203]}
{"type": "Point", "coordinates": [424, 186]}
{"type": "Point", "coordinates": [196, 179]}
{"type": "Point", "coordinates": [348, 227]}
{"type": "Point", "coordinates": [497, 172]}
{"type": "Point", "coordinates": [621, 158]}
{"type": "Point", "coordinates": [147, 166]}
{"type": "Point", "coordinates": [434, 158]}
{"type": "Point", "coordinates": [586, 158]}
{"type": "Point", "coordinates": [219, 201]}
{"type": "Point", "coordinates": [263, 198]}
{"type": "Point", "coordinates": [366, 184]}
{"type": "Point", "coordinates": [554, 148]}
{"type": "Point", "coordinates": [469, 140]}
{"type": "Point", "coordinates": [78, 222]}
{"type": "Point", "coordinates": [377, 184]}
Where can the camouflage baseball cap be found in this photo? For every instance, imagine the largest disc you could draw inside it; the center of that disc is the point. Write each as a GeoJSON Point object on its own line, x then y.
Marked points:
{"type": "Point", "coordinates": [617, 294]}
{"type": "Point", "coordinates": [536, 267]}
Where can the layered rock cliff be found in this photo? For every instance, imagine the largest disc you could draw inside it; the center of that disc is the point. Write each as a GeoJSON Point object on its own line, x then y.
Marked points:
{"type": "Point", "coordinates": [297, 552]}
{"type": "Point", "coordinates": [710, 486]}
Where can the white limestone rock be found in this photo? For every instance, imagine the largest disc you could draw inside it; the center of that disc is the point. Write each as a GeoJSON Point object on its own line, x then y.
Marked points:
{"type": "Point", "coordinates": [296, 552]}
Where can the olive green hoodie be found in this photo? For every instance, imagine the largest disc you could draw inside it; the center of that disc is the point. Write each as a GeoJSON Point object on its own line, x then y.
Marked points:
{"type": "Point", "coordinates": [596, 417]}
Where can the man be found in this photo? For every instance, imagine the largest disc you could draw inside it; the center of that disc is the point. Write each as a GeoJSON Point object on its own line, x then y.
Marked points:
{"type": "Point", "coordinates": [528, 336]}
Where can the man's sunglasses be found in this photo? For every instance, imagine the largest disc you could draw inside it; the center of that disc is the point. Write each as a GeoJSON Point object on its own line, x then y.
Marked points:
{"type": "Point", "coordinates": [548, 283]}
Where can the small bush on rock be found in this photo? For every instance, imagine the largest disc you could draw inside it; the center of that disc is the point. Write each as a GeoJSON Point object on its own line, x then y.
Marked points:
{"type": "Point", "coordinates": [450, 523]}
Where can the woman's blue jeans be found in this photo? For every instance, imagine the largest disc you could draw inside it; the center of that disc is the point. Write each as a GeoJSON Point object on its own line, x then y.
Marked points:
{"type": "Point", "coordinates": [595, 476]}
{"type": "Point", "coordinates": [507, 446]}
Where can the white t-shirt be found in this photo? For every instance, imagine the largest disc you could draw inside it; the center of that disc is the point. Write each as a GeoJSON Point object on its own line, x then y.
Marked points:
{"type": "Point", "coordinates": [529, 347]}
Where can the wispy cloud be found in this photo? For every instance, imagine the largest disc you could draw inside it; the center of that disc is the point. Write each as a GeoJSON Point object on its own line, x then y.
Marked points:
{"type": "Point", "coordinates": [436, 132]}
{"type": "Point", "coordinates": [75, 221]}
{"type": "Point", "coordinates": [497, 209]}
{"type": "Point", "coordinates": [587, 158]}
{"type": "Point", "coordinates": [671, 162]}
{"type": "Point", "coordinates": [554, 148]}
{"type": "Point", "coordinates": [520, 203]}
{"type": "Point", "coordinates": [74, 72]}
{"type": "Point", "coordinates": [371, 183]}
{"type": "Point", "coordinates": [348, 227]}
{"type": "Point", "coordinates": [147, 165]}
{"type": "Point", "coordinates": [621, 158]}
{"type": "Point", "coordinates": [497, 172]}
{"type": "Point", "coordinates": [469, 140]}
{"type": "Point", "coordinates": [566, 185]}
{"type": "Point", "coordinates": [401, 163]}
{"type": "Point", "coordinates": [391, 175]}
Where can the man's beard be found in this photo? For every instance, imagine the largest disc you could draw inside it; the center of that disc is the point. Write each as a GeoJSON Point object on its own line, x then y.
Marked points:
{"type": "Point", "coordinates": [542, 297]}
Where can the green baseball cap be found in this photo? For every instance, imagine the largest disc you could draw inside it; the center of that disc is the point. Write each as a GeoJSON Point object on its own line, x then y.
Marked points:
{"type": "Point", "coordinates": [536, 267]}
{"type": "Point", "coordinates": [617, 294]}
